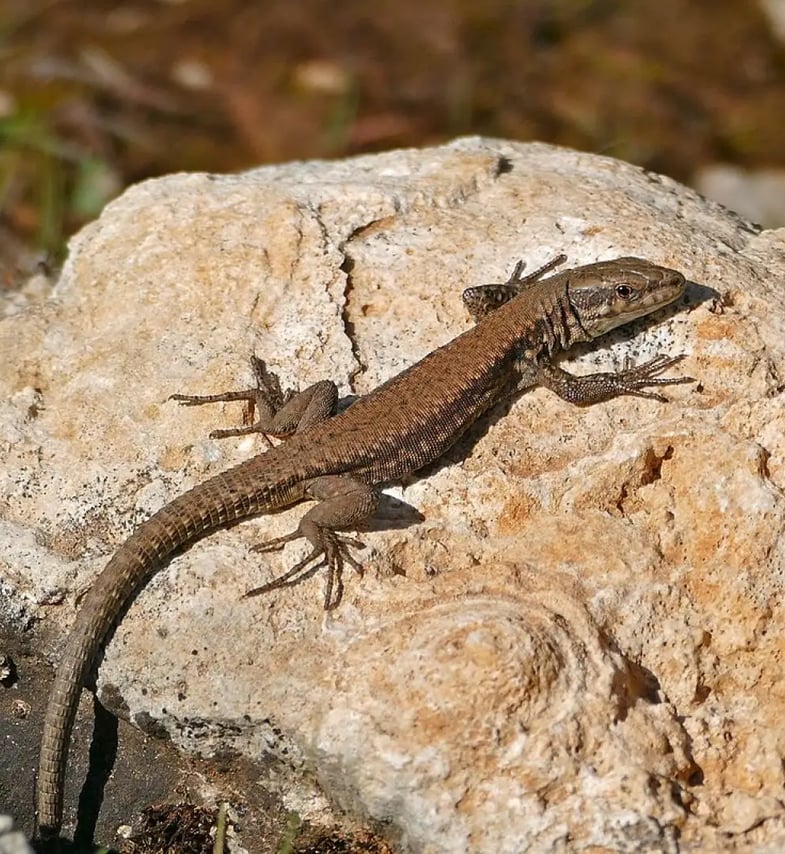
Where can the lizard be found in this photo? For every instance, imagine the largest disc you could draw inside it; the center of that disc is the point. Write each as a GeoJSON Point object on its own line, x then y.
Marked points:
{"type": "Point", "coordinates": [341, 460]}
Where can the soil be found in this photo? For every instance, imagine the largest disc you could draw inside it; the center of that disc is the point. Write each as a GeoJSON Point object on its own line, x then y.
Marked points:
{"type": "Point", "coordinates": [95, 95]}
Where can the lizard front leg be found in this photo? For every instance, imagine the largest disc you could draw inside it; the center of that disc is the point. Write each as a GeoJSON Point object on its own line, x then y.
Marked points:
{"type": "Point", "coordinates": [481, 300]}
{"type": "Point", "coordinates": [278, 413]}
{"type": "Point", "coordinates": [594, 388]}
{"type": "Point", "coordinates": [343, 502]}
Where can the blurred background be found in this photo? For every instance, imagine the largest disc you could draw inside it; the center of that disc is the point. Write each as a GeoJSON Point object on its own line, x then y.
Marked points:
{"type": "Point", "coordinates": [95, 95]}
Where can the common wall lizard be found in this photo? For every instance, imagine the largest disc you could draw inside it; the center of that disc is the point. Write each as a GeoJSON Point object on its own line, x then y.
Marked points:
{"type": "Point", "coordinates": [340, 461]}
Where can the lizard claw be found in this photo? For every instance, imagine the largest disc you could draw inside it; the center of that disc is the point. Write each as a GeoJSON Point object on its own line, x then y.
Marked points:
{"type": "Point", "coordinates": [279, 412]}
{"type": "Point", "coordinates": [634, 380]}
{"type": "Point", "coordinates": [333, 551]}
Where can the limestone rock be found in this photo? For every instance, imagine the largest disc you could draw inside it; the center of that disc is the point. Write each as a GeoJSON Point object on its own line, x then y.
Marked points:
{"type": "Point", "coordinates": [580, 645]}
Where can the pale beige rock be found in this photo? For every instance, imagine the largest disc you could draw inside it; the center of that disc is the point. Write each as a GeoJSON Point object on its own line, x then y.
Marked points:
{"type": "Point", "coordinates": [758, 194]}
{"type": "Point", "coordinates": [580, 648]}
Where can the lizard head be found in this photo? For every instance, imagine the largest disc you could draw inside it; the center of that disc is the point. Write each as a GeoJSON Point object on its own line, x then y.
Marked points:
{"type": "Point", "coordinates": [611, 293]}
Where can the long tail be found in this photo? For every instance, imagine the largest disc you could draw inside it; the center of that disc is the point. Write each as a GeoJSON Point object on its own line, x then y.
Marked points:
{"type": "Point", "coordinates": [226, 498]}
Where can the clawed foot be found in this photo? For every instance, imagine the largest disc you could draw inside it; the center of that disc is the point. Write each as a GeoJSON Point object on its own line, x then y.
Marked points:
{"type": "Point", "coordinates": [635, 380]}
{"type": "Point", "coordinates": [333, 552]}
{"type": "Point", "coordinates": [480, 301]}
{"type": "Point", "coordinates": [265, 398]}
{"type": "Point", "coordinates": [279, 413]}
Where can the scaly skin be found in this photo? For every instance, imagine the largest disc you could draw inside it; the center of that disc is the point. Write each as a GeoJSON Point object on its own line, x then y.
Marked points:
{"type": "Point", "coordinates": [403, 425]}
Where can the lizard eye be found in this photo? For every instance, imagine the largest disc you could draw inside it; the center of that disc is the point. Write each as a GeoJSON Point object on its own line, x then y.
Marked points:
{"type": "Point", "coordinates": [624, 291]}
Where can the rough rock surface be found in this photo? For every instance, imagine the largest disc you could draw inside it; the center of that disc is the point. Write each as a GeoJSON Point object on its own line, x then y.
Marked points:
{"type": "Point", "coordinates": [580, 647]}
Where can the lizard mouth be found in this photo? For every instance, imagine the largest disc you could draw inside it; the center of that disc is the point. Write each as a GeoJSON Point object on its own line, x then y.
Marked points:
{"type": "Point", "coordinates": [620, 304]}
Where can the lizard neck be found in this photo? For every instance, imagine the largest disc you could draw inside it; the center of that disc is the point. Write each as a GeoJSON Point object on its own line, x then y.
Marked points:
{"type": "Point", "coordinates": [542, 319]}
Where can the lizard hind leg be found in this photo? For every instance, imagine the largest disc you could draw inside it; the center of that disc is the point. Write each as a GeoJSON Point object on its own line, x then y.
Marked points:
{"type": "Point", "coordinates": [278, 413]}
{"type": "Point", "coordinates": [343, 501]}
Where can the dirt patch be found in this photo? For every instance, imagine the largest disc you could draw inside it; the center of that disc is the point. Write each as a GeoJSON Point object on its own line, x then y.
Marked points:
{"type": "Point", "coordinates": [97, 95]}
